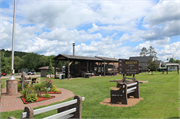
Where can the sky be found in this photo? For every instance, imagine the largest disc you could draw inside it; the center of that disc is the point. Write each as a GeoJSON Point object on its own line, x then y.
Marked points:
{"type": "Point", "coordinates": [108, 28]}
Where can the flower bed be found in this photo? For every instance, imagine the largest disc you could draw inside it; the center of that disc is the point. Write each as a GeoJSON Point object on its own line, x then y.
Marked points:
{"type": "Point", "coordinates": [33, 93]}
{"type": "Point", "coordinates": [39, 99]}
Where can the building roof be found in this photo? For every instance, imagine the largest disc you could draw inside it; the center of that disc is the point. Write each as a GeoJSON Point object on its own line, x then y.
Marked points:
{"type": "Point", "coordinates": [46, 67]}
{"type": "Point", "coordinates": [107, 58]}
{"type": "Point", "coordinates": [172, 64]}
{"type": "Point", "coordinates": [142, 59]}
{"type": "Point", "coordinates": [74, 57]}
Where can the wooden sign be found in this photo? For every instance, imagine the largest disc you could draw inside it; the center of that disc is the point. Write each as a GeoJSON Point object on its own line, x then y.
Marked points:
{"type": "Point", "coordinates": [128, 66]}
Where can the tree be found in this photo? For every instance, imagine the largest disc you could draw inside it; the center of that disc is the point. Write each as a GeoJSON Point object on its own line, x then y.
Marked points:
{"type": "Point", "coordinates": [152, 65]}
{"type": "Point", "coordinates": [172, 60]}
{"type": "Point", "coordinates": [143, 52]}
{"type": "Point", "coordinates": [178, 61]}
{"type": "Point", "coordinates": [18, 63]}
{"type": "Point", "coordinates": [50, 69]}
{"type": "Point", "coordinates": [150, 52]}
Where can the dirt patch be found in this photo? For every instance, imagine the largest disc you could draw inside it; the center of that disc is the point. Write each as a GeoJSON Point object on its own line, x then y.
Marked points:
{"type": "Point", "coordinates": [143, 81]}
{"type": "Point", "coordinates": [131, 101]}
{"type": "Point", "coordinates": [114, 88]}
{"type": "Point", "coordinates": [38, 100]}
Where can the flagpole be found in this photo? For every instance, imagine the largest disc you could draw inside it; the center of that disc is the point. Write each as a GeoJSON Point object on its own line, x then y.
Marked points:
{"type": "Point", "coordinates": [13, 32]}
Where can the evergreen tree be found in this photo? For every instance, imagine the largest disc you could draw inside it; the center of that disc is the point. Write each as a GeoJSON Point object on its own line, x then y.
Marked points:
{"type": "Point", "coordinates": [50, 69]}
{"type": "Point", "coordinates": [143, 52]}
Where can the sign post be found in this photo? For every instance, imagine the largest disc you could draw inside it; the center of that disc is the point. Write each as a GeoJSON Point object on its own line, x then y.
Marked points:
{"type": "Point", "coordinates": [128, 67]}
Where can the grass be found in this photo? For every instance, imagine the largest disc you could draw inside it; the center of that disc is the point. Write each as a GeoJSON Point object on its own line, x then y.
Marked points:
{"type": "Point", "coordinates": [161, 97]}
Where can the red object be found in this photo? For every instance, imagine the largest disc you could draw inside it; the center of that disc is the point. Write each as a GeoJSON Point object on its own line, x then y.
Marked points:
{"type": "Point", "coordinates": [39, 99]}
{"type": "Point", "coordinates": [3, 74]}
{"type": "Point", "coordinates": [52, 92]}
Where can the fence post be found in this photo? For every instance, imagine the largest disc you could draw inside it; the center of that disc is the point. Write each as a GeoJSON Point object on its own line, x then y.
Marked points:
{"type": "Point", "coordinates": [78, 105]}
{"type": "Point", "coordinates": [29, 111]}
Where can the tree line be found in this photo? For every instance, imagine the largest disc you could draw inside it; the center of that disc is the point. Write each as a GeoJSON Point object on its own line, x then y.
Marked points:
{"type": "Point", "coordinates": [31, 61]}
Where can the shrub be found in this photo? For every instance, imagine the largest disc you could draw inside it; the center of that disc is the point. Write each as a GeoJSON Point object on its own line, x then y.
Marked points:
{"type": "Point", "coordinates": [48, 83]}
{"type": "Point", "coordinates": [31, 98]}
{"type": "Point", "coordinates": [38, 87]}
{"type": "Point", "coordinates": [2, 86]}
{"type": "Point", "coordinates": [24, 92]}
{"type": "Point", "coordinates": [46, 95]}
{"type": "Point", "coordinates": [54, 88]}
{"type": "Point", "coordinates": [19, 87]}
{"type": "Point", "coordinates": [28, 90]}
{"type": "Point", "coordinates": [45, 89]}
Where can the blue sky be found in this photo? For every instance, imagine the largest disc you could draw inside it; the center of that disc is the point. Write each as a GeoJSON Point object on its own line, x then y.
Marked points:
{"type": "Point", "coordinates": [108, 28]}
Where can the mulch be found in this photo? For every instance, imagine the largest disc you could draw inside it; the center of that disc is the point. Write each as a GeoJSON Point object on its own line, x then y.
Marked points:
{"type": "Point", "coordinates": [38, 100]}
{"type": "Point", "coordinates": [131, 102]}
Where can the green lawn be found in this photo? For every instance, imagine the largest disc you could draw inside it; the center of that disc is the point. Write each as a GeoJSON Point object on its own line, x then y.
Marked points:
{"type": "Point", "coordinates": [161, 97]}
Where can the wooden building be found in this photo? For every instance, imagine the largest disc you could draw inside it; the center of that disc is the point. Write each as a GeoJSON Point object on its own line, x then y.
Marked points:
{"type": "Point", "coordinates": [44, 70]}
{"type": "Point", "coordinates": [79, 65]}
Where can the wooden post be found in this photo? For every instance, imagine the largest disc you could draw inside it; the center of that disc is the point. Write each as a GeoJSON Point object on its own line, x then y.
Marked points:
{"type": "Point", "coordinates": [113, 68]}
{"type": "Point", "coordinates": [177, 69]}
{"type": "Point", "coordinates": [68, 69]}
{"type": "Point", "coordinates": [29, 111]}
{"type": "Point", "coordinates": [78, 106]}
{"type": "Point", "coordinates": [55, 64]}
{"type": "Point", "coordinates": [98, 69]}
{"type": "Point", "coordinates": [87, 66]}
{"type": "Point", "coordinates": [104, 69]}
{"type": "Point", "coordinates": [101, 68]}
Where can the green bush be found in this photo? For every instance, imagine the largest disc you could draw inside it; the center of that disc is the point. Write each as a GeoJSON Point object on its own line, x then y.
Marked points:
{"type": "Point", "coordinates": [38, 87]}
{"type": "Point", "coordinates": [46, 95]}
{"type": "Point", "coordinates": [2, 86]}
{"type": "Point", "coordinates": [24, 92]}
{"type": "Point", "coordinates": [48, 83]}
{"type": "Point", "coordinates": [54, 88]}
{"type": "Point", "coordinates": [31, 98]}
{"type": "Point", "coordinates": [19, 87]}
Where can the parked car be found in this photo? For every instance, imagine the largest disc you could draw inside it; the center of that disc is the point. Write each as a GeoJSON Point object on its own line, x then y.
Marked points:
{"type": "Point", "coordinates": [31, 73]}
{"type": "Point", "coordinates": [3, 74]}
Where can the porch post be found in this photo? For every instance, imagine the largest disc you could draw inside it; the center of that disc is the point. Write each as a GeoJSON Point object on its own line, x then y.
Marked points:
{"type": "Point", "coordinates": [55, 64]}
{"type": "Point", "coordinates": [68, 68]}
{"type": "Point", "coordinates": [104, 69]}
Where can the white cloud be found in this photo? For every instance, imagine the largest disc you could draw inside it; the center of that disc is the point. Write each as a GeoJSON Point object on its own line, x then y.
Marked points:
{"type": "Point", "coordinates": [169, 50]}
{"type": "Point", "coordinates": [167, 30]}
{"type": "Point", "coordinates": [164, 11]}
{"type": "Point", "coordinates": [65, 22]}
{"type": "Point", "coordinates": [94, 28]}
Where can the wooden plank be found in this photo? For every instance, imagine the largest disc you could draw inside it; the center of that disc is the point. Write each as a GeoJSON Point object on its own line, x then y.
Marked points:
{"type": "Point", "coordinates": [131, 84]}
{"type": "Point", "coordinates": [49, 108]}
{"type": "Point", "coordinates": [62, 114]}
{"type": "Point", "coordinates": [23, 115]}
{"type": "Point", "coordinates": [131, 89]}
{"type": "Point", "coordinates": [66, 116]}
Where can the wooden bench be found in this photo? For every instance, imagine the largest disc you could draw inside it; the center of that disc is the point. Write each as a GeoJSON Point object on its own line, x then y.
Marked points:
{"type": "Point", "coordinates": [69, 109]}
{"type": "Point", "coordinates": [124, 92]}
{"type": "Point", "coordinates": [124, 81]}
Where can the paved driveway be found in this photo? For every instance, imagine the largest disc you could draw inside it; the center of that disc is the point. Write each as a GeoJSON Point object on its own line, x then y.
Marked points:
{"type": "Point", "coordinates": [19, 76]}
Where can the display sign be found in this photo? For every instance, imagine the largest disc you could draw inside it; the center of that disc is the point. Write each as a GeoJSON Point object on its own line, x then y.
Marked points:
{"type": "Point", "coordinates": [128, 66]}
